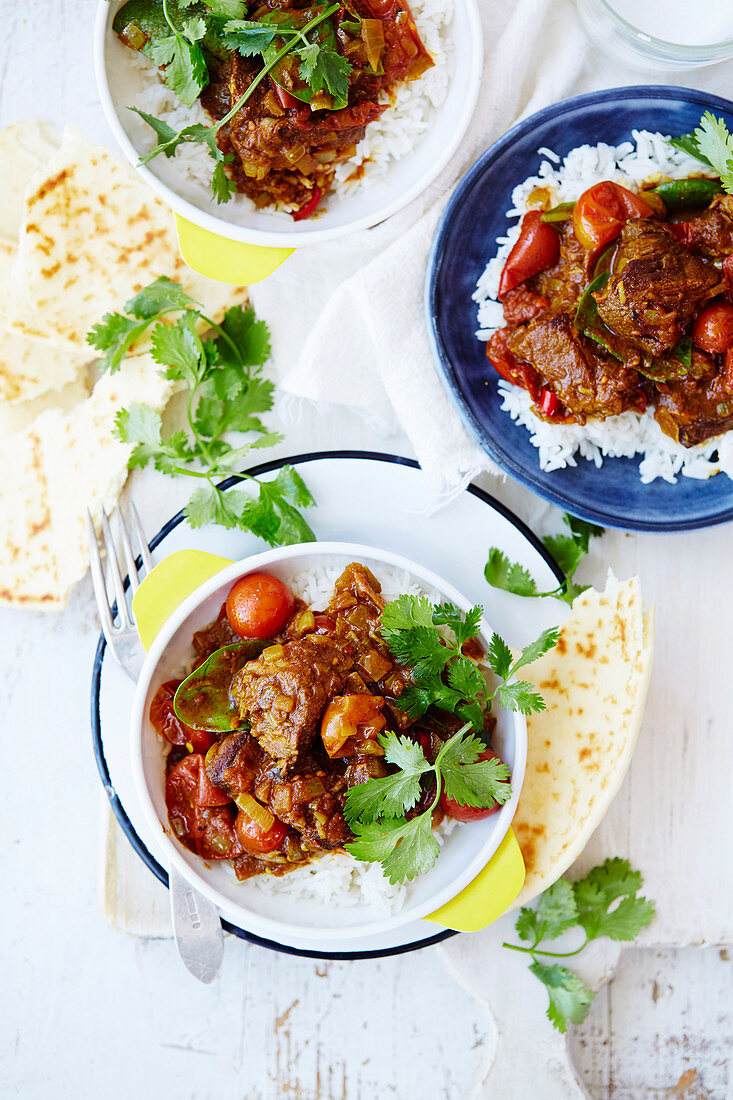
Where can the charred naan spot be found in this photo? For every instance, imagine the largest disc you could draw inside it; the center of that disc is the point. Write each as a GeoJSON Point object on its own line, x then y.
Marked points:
{"type": "Point", "coordinates": [588, 651]}
{"type": "Point", "coordinates": [542, 767]}
{"type": "Point", "coordinates": [562, 645]}
{"type": "Point", "coordinates": [48, 272]}
{"type": "Point", "coordinates": [47, 186]}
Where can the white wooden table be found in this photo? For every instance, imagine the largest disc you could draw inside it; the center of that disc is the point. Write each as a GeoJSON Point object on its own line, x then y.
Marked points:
{"type": "Point", "coordinates": [86, 1010]}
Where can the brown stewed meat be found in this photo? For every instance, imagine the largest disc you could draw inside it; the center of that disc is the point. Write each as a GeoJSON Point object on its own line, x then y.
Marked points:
{"type": "Point", "coordinates": [655, 288]}
{"type": "Point", "coordinates": [284, 692]}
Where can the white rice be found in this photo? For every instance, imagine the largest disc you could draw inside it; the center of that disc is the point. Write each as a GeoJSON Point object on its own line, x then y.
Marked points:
{"type": "Point", "coordinates": [338, 877]}
{"type": "Point", "coordinates": [644, 160]}
{"type": "Point", "coordinates": [392, 136]}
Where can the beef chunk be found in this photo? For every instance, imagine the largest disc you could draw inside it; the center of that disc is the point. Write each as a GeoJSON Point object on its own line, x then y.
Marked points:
{"type": "Point", "coordinates": [710, 233]}
{"type": "Point", "coordinates": [284, 692]}
{"type": "Point", "coordinates": [587, 382]}
{"type": "Point", "coordinates": [698, 406]}
{"type": "Point", "coordinates": [313, 804]}
{"type": "Point", "coordinates": [655, 289]}
{"type": "Point", "coordinates": [233, 764]}
{"type": "Point", "coordinates": [214, 636]}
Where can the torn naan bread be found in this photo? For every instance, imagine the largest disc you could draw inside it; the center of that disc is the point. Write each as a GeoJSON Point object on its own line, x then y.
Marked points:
{"type": "Point", "coordinates": [62, 464]}
{"type": "Point", "coordinates": [92, 235]}
{"type": "Point", "coordinates": [578, 750]}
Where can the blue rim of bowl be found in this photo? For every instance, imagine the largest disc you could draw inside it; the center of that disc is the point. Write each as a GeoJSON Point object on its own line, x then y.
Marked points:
{"type": "Point", "coordinates": [530, 478]}
{"type": "Point", "coordinates": [98, 747]}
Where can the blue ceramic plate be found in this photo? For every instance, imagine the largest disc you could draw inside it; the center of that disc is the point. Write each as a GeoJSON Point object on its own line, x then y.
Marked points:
{"type": "Point", "coordinates": [466, 239]}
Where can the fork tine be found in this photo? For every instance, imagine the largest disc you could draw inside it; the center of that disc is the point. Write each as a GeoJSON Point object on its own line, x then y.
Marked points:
{"type": "Point", "coordinates": [127, 551]}
{"type": "Point", "coordinates": [138, 529]}
{"type": "Point", "coordinates": [100, 589]}
{"type": "Point", "coordinates": [113, 569]}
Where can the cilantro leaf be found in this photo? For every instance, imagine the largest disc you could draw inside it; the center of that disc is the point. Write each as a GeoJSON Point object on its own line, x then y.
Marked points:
{"type": "Point", "coordinates": [178, 349]}
{"type": "Point", "coordinates": [227, 9]}
{"type": "Point", "coordinates": [568, 551]}
{"type": "Point", "coordinates": [184, 68]}
{"type": "Point", "coordinates": [159, 296]}
{"type": "Point", "coordinates": [139, 425]}
{"type": "Point", "coordinates": [465, 678]}
{"type": "Point", "coordinates": [482, 783]}
{"type": "Point", "coordinates": [587, 904]}
{"type": "Point", "coordinates": [527, 925]}
{"type": "Point", "coordinates": [547, 640]}
{"type": "Point", "coordinates": [227, 393]}
{"type": "Point", "coordinates": [404, 753]}
{"type": "Point", "coordinates": [406, 612]}
{"type": "Point", "coordinates": [570, 998]}
{"type": "Point", "coordinates": [420, 649]}
{"type": "Point", "coordinates": [715, 144]}
{"type": "Point", "coordinates": [222, 186]}
{"type": "Point", "coordinates": [248, 37]}
{"type": "Point", "coordinates": [510, 576]}
{"type": "Point", "coordinates": [391, 795]}
{"type": "Point", "coordinates": [115, 334]}
{"type": "Point", "coordinates": [194, 28]}
{"type": "Point", "coordinates": [323, 69]}
{"type": "Point", "coordinates": [464, 625]}
{"type": "Point", "coordinates": [520, 695]}
{"type": "Point", "coordinates": [499, 656]}
{"type": "Point", "coordinates": [404, 848]}
{"type": "Point", "coordinates": [557, 910]}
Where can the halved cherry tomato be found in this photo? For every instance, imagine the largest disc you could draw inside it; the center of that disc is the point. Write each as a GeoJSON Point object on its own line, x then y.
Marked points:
{"type": "Point", "coordinates": [469, 813]}
{"type": "Point", "coordinates": [350, 721]}
{"type": "Point", "coordinates": [259, 606]}
{"type": "Point", "coordinates": [310, 206]}
{"type": "Point", "coordinates": [537, 248]}
{"type": "Point", "coordinates": [324, 624]}
{"type": "Point", "coordinates": [165, 722]}
{"type": "Point", "coordinates": [509, 368]}
{"type": "Point", "coordinates": [601, 212]}
{"type": "Point", "coordinates": [254, 838]}
{"type": "Point", "coordinates": [205, 829]}
{"type": "Point", "coordinates": [713, 328]}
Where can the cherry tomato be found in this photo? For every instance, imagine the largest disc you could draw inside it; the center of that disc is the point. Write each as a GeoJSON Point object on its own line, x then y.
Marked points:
{"type": "Point", "coordinates": [537, 248]}
{"type": "Point", "coordinates": [258, 606]}
{"type": "Point", "coordinates": [165, 722]}
{"type": "Point", "coordinates": [469, 813]}
{"type": "Point", "coordinates": [727, 272]}
{"type": "Point", "coordinates": [601, 212]}
{"type": "Point", "coordinates": [349, 720]}
{"type": "Point", "coordinates": [204, 828]}
{"type": "Point", "coordinates": [713, 329]}
{"type": "Point", "coordinates": [252, 837]}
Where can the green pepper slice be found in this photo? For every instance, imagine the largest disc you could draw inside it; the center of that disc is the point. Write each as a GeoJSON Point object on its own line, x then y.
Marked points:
{"type": "Point", "coordinates": [687, 194]}
{"type": "Point", "coordinates": [563, 212]}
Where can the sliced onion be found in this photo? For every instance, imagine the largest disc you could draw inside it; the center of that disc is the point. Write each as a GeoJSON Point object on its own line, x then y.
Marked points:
{"type": "Point", "coordinates": [255, 811]}
{"type": "Point", "coordinates": [372, 33]}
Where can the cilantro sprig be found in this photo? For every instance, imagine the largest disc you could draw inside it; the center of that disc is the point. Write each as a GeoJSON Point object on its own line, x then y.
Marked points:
{"type": "Point", "coordinates": [321, 67]}
{"type": "Point", "coordinates": [226, 393]}
{"type": "Point", "coordinates": [567, 550]}
{"type": "Point", "coordinates": [377, 810]}
{"type": "Point", "coordinates": [442, 675]}
{"type": "Point", "coordinates": [604, 903]}
{"type": "Point", "coordinates": [712, 144]}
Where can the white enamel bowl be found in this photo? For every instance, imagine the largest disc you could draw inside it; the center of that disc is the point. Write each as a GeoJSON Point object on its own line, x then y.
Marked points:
{"type": "Point", "coordinates": [120, 84]}
{"type": "Point", "coordinates": [465, 851]}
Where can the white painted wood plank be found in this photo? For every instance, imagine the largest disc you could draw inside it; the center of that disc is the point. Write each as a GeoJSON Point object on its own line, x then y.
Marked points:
{"type": "Point", "coordinates": [662, 1028]}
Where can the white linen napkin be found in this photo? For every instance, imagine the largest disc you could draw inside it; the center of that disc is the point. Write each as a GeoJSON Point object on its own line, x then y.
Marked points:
{"type": "Point", "coordinates": [355, 332]}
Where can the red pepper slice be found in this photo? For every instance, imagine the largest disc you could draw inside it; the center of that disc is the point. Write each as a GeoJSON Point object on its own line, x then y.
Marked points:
{"type": "Point", "coordinates": [310, 206]}
{"type": "Point", "coordinates": [285, 98]}
{"type": "Point", "coordinates": [550, 402]}
{"type": "Point", "coordinates": [537, 248]}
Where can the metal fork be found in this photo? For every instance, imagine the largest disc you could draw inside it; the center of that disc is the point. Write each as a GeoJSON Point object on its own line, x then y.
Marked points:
{"type": "Point", "coordinates": [196, 924]}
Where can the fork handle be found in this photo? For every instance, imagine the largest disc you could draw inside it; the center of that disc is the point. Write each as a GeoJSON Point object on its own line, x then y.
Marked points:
{"type": "Point", "coordinates": [197, 929]}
